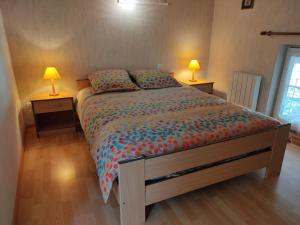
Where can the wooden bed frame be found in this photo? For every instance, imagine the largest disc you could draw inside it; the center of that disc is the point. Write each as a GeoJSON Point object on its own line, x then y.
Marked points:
{"type": "Point", "coordinates": [215, 163]}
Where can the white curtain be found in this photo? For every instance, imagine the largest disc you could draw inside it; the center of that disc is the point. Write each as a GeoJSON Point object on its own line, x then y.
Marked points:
{"type": "Point", "coordinates": [288, 101]}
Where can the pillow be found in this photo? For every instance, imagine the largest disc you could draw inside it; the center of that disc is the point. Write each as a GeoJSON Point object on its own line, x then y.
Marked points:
{"type": "Point", "coordinates": [153, 79]}
{"type": "Point", "coordinates": [111, 80]}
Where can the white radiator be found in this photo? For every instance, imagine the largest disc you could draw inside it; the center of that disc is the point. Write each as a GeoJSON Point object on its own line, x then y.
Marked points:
{"type": "Point", "coordinates": [245, 89]}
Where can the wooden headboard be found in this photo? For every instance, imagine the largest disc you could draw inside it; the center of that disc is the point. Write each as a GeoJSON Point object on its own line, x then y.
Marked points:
{"type": "Point", "coordinates": [84, 83]}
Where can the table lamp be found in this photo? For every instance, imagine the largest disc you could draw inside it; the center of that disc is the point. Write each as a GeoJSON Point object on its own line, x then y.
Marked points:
{"type": "Point", "coordinates": [52, 74]}
{"type": "Point", "coordinates": [194, 65]}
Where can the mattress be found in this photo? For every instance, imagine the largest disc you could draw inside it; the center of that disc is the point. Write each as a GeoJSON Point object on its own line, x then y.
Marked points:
{"type": "Point", "coordinates": [124, 125]}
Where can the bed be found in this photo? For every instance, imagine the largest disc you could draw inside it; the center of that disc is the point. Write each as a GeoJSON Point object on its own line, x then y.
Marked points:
{"type": "Point", "coordinates": [151, 145]}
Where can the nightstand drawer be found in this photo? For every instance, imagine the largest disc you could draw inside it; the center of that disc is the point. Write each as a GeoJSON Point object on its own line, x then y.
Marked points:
{"type": "Point", "coordinates": [202, 85]}
{"type": "Point", "coordinates": [48, 106]}
{"type": "Point", "coordinates": [208, 88]}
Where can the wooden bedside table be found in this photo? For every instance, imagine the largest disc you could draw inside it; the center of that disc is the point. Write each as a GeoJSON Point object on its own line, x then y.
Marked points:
{"type": "Point", "coordinates": [53, 114]}
{"type": "Point", "coordinates": [202, 85]}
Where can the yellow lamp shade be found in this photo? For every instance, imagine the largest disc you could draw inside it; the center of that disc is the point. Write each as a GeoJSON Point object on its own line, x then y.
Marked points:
{"type": "Point", "coordinates": [194, 65]}
{"type": "Point", "coordinates": [51, 74]}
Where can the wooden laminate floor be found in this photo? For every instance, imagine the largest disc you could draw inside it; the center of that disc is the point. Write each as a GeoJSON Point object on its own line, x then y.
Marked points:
{"type": "Point", "coordinates": [59, 187]}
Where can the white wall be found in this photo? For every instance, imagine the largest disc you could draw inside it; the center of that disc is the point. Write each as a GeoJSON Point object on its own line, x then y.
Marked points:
{"type": "Point", "coordinates": [10, 134]}
{"type": "Point", "coordinates": [237, 45]}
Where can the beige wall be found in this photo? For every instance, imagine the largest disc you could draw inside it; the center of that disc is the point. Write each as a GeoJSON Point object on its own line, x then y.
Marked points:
{"type": "Point", "coordinates": [10, 134]}
{"type": "Point", "coordinates": [237, 45]}
{"type": "Point", "coordinates": [79, 37]}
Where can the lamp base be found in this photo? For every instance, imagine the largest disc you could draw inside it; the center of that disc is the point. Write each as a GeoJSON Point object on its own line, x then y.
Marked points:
{"type": "Point", "coordinates": [54, 94]}
{"type": "Point", "coordinates": [193, 81]}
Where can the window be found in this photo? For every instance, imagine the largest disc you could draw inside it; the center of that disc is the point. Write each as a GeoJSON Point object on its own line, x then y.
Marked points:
{"type": "Point", "coordinates": [288, 102]}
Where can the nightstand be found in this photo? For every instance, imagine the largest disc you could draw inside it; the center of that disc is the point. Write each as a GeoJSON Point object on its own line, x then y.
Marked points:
{"type": "Point", "coordinates": [53, 114]}
{"type": "Point", "coordinates": [202, 85]}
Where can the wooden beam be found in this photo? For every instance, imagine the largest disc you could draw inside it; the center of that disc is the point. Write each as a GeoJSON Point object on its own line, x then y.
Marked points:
{"type": "Point", "coordinates": [132, 192]}
{"type": "Point", "coordinates": [193, 181]}
{"type": "Point", "coordinates": [278, 150]}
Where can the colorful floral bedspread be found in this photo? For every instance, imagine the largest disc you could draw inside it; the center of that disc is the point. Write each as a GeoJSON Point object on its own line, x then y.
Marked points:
{"type": "Point", "coordinates": [124, 125]}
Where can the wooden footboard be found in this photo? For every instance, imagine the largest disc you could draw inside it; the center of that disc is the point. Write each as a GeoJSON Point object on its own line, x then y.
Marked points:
{"type": "Point", "coordinates": [211, 164]}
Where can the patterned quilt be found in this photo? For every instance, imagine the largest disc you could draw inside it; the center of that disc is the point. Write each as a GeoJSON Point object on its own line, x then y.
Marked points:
{"type": "Point", "coordinates": [124, 125]}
